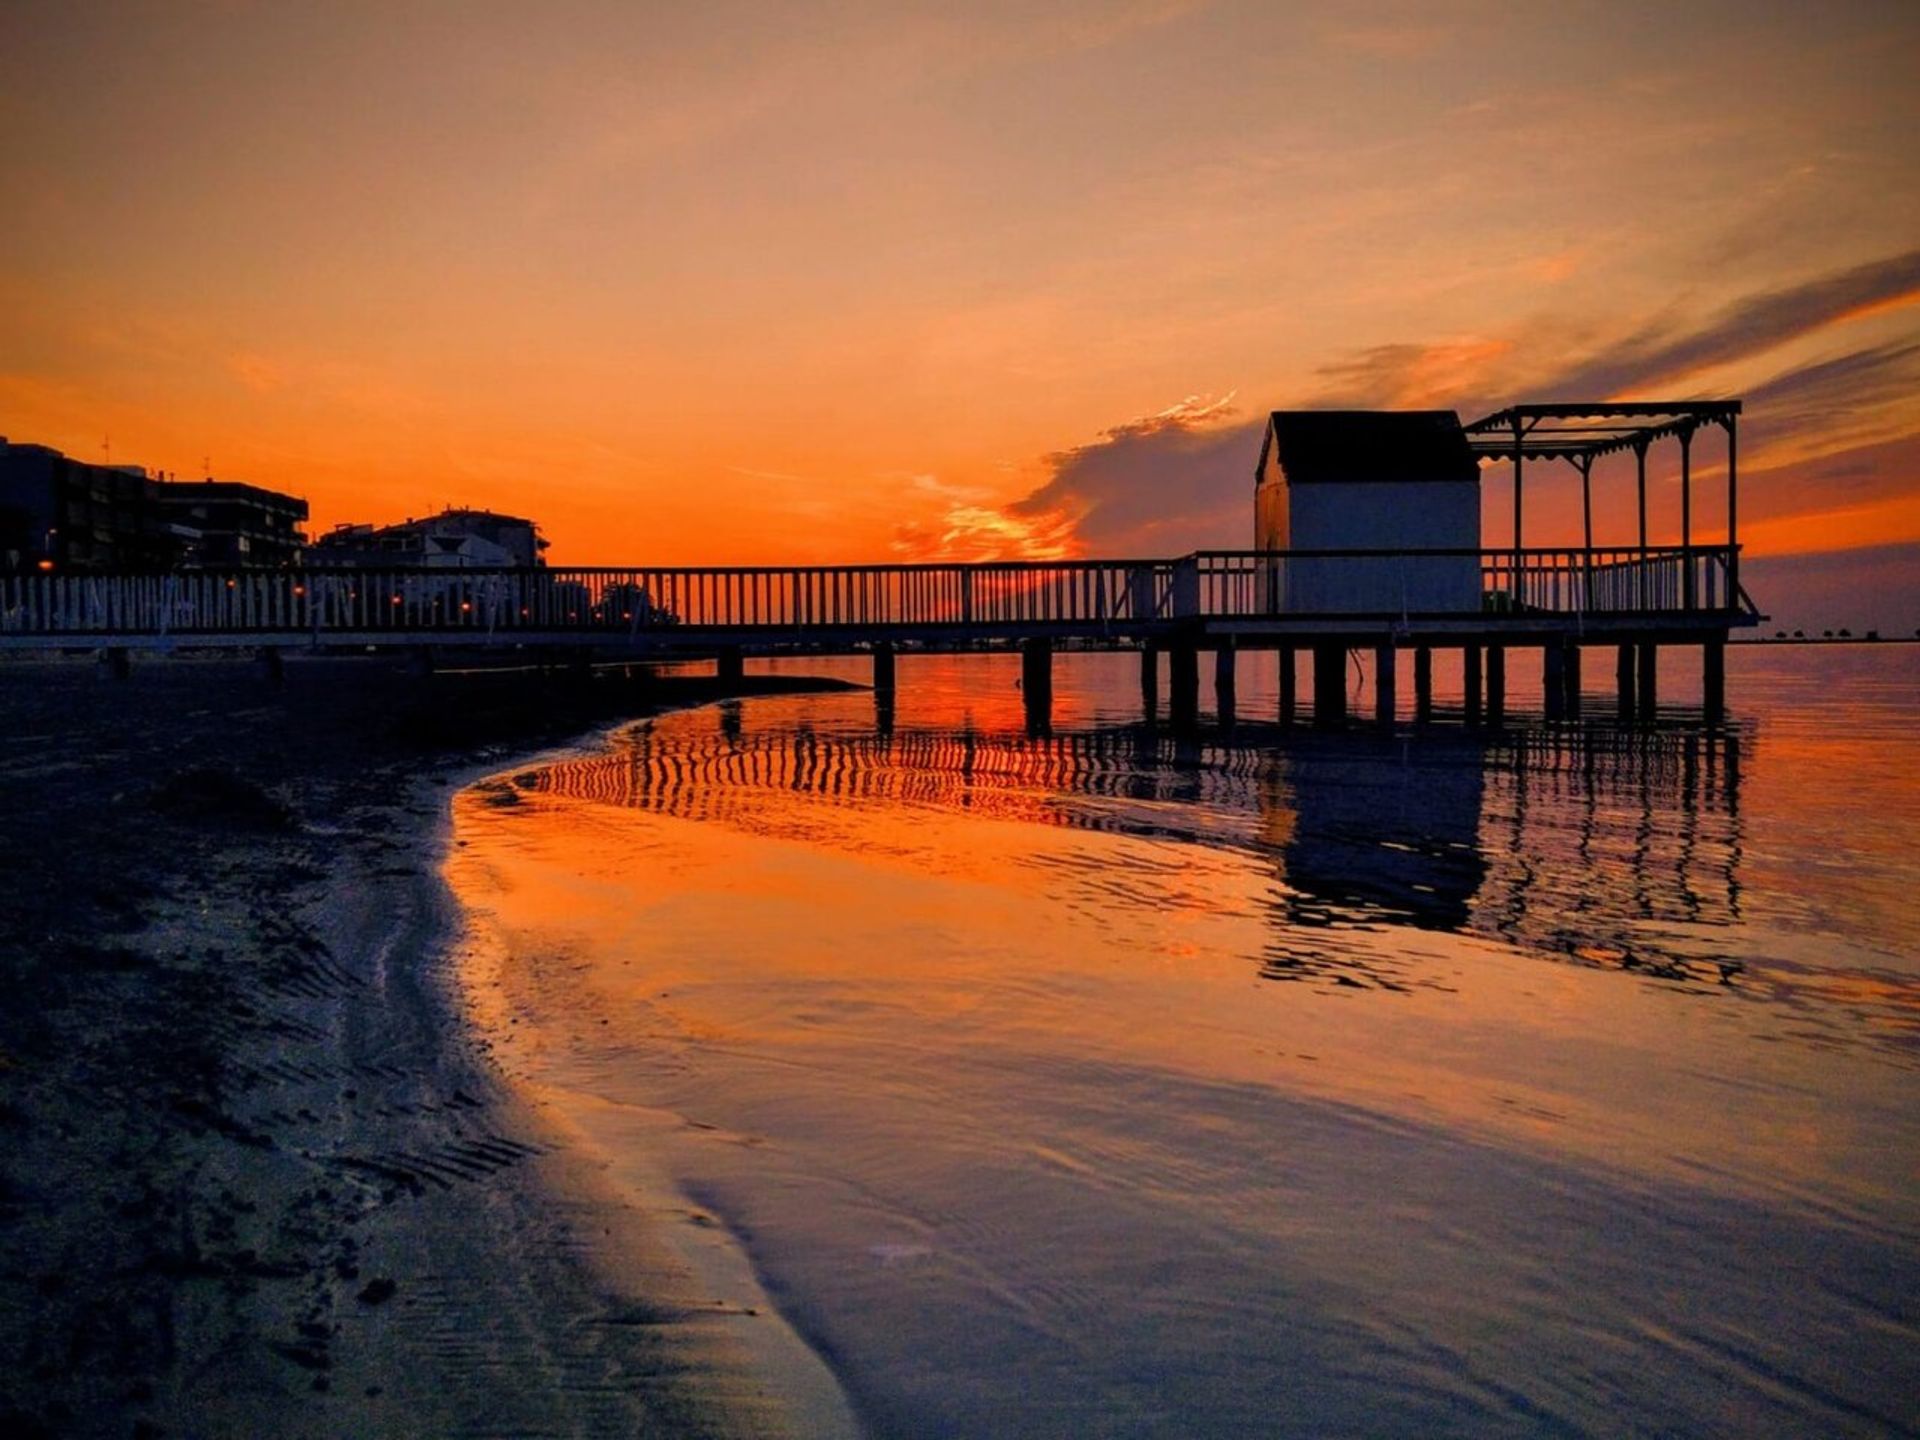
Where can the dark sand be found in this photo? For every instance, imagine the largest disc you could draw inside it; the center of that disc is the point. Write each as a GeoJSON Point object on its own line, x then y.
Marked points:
{"type": "Point", "coordinates": [256, 1178]}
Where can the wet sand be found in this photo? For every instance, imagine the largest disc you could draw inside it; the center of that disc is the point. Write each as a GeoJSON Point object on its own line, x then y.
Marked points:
{"type": "Point", "coordinates": [256, 1175]}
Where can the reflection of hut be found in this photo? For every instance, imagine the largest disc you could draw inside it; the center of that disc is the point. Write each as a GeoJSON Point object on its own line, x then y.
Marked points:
{"type": "Point", "coordinates": [1374, 836]}
{"type": "Point", "coordinates": [1385, 480]}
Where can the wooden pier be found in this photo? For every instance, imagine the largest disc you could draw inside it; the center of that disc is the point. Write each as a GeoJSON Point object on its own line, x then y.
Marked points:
{"type": "Point", "coordinates": [1631, 601]}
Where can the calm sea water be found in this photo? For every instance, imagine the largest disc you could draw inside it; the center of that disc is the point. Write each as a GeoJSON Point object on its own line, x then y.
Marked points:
{"type": "Point", "coordinates": [1559, 1081]}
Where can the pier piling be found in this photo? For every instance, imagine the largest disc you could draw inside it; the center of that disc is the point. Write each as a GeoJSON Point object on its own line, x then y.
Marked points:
{"type": "Point", "coordinates": [1713, 681]}
{"type": "Point", "coordinates": [1289, 684]}
{"type": "Point", "coordinates": [1648, 681]}
{"type": "Point", "coordinates": [883, 676]}
{"type": "Point", "coordinates": [1570, 670]}
{"type": "Point", "coordinates": [1623, 681]}
{"type": "Point", "coordinates": [1553, 679]}
{"type": "Point", "coordinates": [1224, 695]}
{"type": "Point", "coordinates": [1329, 686]}
{"type": "Point", "coordinates": [1385, 701]}
{"type": "Point", "coordinates": [1470, 680]}
{"type": "Point", "coordinates": [730, 665]}
{"type": "Point", "coordinates": [1496, 684]}
{"type": "Point", "coordinates": [1036, 681]}
{"type": "Point", "coordinates": [1183, 685]}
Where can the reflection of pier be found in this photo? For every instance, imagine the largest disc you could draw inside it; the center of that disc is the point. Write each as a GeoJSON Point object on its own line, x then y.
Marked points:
{"type": "Point", "coordinates": [1597, 846]}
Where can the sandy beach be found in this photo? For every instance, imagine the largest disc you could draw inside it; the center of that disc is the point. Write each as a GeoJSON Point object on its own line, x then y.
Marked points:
{"type": "Point", "coordinates": [256, 1175]}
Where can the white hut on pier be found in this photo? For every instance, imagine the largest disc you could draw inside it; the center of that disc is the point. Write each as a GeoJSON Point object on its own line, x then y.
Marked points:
{"type": "Point", "coordinates": [1368, 480]}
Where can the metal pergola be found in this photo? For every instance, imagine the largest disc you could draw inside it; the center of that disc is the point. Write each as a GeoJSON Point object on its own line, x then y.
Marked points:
{"type": "Point", "coordinates": [1582, 433]}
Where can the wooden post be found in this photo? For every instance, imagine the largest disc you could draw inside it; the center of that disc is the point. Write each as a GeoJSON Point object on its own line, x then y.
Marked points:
{"type": "Point", "coordinates": [1470, 679]}
{"type": "Point", "coordinates": [883, 677]}
{"type": "Point", "coordinates": [1519, 460]}
{"type": "Point", "coordinates": [1289, 684]}
{"type": "Point", "coordinates": [1223, 680]}
{"type": "Point", "coordinates": [1649, 680]}
{"type": "Point", "coordinates": [1329, 685]}
{"type": "Point", "coordinates": [1384, 683]}
{"type": "Point", "coordinates": [116, 663]}
{"type": "Point", "coordinates": [1686, 518]}
{"type": "Point", "coordinates": [730, 665]}
{"type": "Point", "coordinates": [1733, 518]}
{"type": "Point", "coordinates": [1422, 683]}
{"type": "Point", "coordinates": [1150, 682]}
{"type": "Point", "coordinates": [1640, 460]}
{"type": "Point", "coordinates": [1623, 681]}
{"type": "Point", "coordinates": [1496, 684]}
{"type": "Point", "coordinates": [1553, 679]}
{"type": "Point", "coordinates": [1570, 668]}
{"type": "Point", "coordinates": [1183, 683]}
{"type": "Point", "coordinates": [1036, 681]}
{"type": "Point", "coordinates": [1713, 681]}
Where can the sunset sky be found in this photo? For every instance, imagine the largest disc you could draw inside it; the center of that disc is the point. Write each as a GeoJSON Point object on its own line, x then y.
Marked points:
{"type": "Point", "coordinates": [732, 282]}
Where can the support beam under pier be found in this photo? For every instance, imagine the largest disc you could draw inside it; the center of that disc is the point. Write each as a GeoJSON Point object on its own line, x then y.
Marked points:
{"type": "Point", "coordinates": [1713, 681]}
{"type": "Point", "coordinates": [1150, 682]}
{"type": "Point", "coordinates": [1422, 683]}
{"type": "Point", "coordinates": [883, 678]}
{"type": "Point", "coordinates": [1329, 686]}
{"type": "Point", "coordinates": [1036, 683]}
{"type": "Point", "coordinates": [1648, 681]}
{"type": "Point", "coordinates": [1470, 681]}
{"type": "Point", "coordinates": [1224, 695]}
{"type": "Point", "coordinates": [1623, 668]}
{"type": "Point", "coordinates": [1496, 684]}
{"type": "Point", "coordinates": [1183, 685]}
{"type": "Point", "coordinates": [1570, 667]}
{"type": "Point", "coordinates": [730, 665]}
{"type": "Point", "coordinates": [1289, 684]}
{"type": "Point", "coordinates": [1553, 679]}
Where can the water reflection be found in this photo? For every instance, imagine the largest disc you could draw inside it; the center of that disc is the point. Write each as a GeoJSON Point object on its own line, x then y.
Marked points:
{"type": "Point", "coordinates": [1603, 847]}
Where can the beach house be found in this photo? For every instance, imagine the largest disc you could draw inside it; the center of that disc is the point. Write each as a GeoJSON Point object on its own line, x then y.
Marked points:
{"type": "Point", "coordinates": [1362, 483]}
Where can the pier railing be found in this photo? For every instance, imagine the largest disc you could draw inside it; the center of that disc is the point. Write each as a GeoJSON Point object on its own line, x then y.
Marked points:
{"type": "Point", "coordinates": [1460, 582]}
{"type": "Point", "coordinates": [1091, 597]}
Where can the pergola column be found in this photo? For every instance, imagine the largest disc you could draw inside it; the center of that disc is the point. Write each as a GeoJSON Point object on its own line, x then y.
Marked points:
{"type": "Point", "coordinates": [1640, 461]}
{"type": "Point", "coordinates": [1686, 518]}
{"type": "Point", "coordinates": [1733, 515]}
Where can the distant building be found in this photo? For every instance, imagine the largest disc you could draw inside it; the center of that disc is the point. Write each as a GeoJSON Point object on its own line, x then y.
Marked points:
{"type": "Point", "coordinates": [58, 513]}
{"type": "Point", "coordinates": [227, 525]}
{"type": "Point", "coordinates": [1385, 480]}
{"type": "Point", "coordinates": [451, 540]}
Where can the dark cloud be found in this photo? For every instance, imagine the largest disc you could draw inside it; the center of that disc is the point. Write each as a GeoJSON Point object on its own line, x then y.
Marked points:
{"type": "Point", "coordinates": [1171, 483]}
{"type": "Point", "coordinates": [1655, 355]}
{"type": "Point", "coordinates": [1825, 396]}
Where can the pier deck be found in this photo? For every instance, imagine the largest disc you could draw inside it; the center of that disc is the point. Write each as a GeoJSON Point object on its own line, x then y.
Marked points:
{"type": "Point", "coordinates": [1558, 600]}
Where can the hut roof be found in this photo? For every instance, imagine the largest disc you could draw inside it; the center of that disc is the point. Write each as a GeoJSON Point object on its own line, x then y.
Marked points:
{"type": "Point", "coordinates": [1344, 446]}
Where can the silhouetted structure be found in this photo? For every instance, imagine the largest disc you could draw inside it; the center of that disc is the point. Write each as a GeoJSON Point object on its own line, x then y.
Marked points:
{"type": "Point", "coordinates": [224, 524]}
{"type": "Point", "coordinates": [1331, 476]}
{"type": "Point", "coordinates": [59, 514]}
{"type": "Point", "coordinates": [454, 539]}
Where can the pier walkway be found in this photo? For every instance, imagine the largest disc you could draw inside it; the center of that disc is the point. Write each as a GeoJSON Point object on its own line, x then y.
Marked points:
{"type": "Point", "coordinates": [1559, 601]}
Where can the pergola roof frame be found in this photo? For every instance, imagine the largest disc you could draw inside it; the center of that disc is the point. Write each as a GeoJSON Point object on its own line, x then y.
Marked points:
{"type": "Point", "coordinates": [1636, 425]}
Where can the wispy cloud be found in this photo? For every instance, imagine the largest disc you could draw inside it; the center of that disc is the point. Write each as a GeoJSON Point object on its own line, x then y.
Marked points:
{"type": "Point", "coordinates": [1659, 354]}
